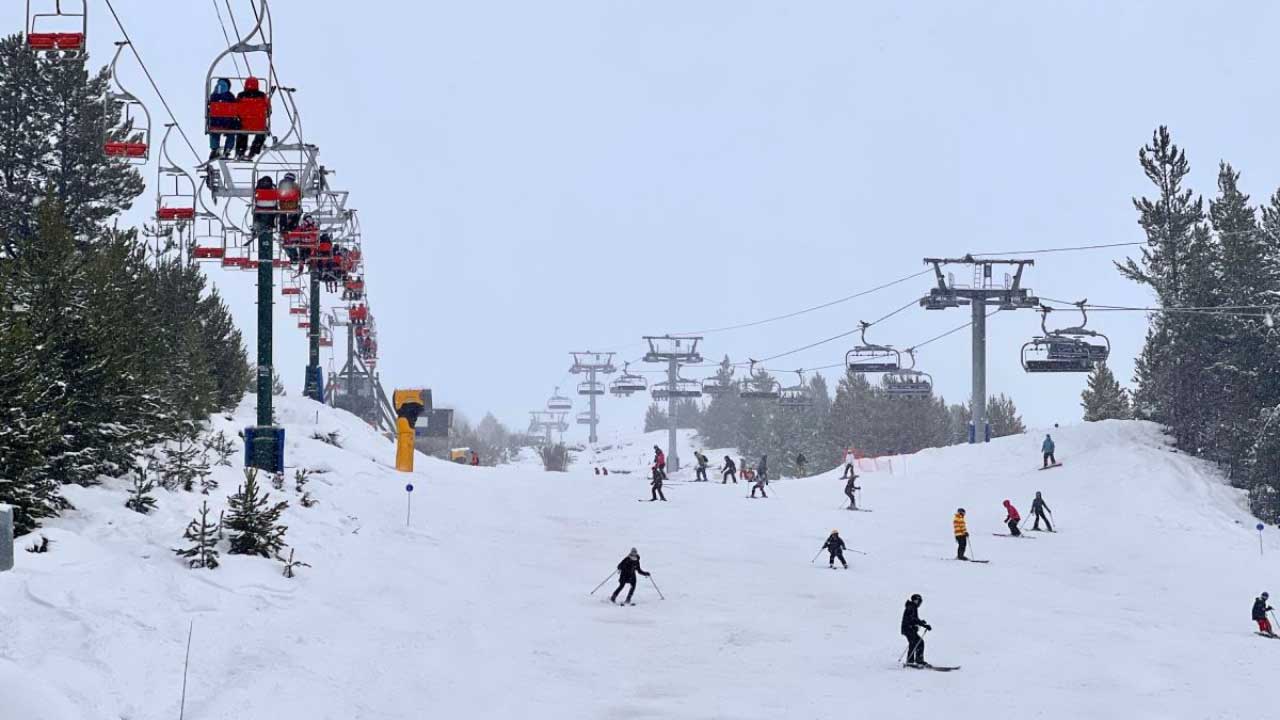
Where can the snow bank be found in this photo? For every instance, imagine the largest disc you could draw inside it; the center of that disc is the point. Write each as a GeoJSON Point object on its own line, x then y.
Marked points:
{"type": "Point", "coordinates": [479, 609]}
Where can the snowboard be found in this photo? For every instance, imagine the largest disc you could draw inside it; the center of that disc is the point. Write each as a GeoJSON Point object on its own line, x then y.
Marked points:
{"type": "Point", "coordinates": [1020, 537]}
{"type": "Point", "coordinates": [1050, 467]}
{"type": "Point", "coordinates": [937, 668]}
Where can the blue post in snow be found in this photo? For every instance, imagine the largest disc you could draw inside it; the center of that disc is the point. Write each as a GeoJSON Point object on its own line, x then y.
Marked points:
{"type": "Point", "coordinates": [1260, 526]}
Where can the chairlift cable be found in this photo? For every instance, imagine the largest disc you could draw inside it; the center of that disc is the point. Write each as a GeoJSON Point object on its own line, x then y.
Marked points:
{"type": "Point", "coordinates": [146, 71]}
{"type": "Point", "coordinates": [227, 36]}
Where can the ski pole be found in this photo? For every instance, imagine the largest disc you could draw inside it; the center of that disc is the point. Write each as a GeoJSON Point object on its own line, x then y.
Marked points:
{"type": "Point", "coordinates": [815, 557]}
{"type": "Point", "coordinates": [857, 551]}
{"type": "Point", "coordinates": [903, 656]}
{"type": "Point", "coordinates": [602, 582]}
{"type": "Point", "coordinates": [972, 554]}
{"type": "Point", "coordinates": [655, 587]}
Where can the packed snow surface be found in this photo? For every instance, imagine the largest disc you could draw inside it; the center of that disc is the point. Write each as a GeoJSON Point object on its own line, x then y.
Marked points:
{"type": "Point", "coordinates": [479, 608]}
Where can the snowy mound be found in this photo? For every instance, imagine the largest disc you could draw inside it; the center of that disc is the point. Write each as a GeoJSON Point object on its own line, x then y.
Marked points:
{"type": "Point", "coordinates": [480, 608]}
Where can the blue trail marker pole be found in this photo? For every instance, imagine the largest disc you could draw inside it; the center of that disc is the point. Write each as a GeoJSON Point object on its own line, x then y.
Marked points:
{"type": "Point", "coordinates": [1260, 526]}
{"type": "Point", "coordinates": [408, 494]}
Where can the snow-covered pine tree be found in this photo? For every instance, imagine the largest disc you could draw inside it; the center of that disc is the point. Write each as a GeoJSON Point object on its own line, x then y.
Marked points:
{"type": "Point", "coordinates": [655, 418]}
{"type": "Point", "coordinates": [277, 386]}
{"type": "Point", "coordinates": [253, 521]}
{"type": "Point", "coordinates": [719, 423]}
{"type": "Point", "coordinates": [1103, 398]}
{"type": "Point", "coordinates": [184, 463]}
{"type": "Point", "coordinates": [140, 499]}
{"type": "Point", "coordinates": [1003, 416]}
{"type": "Point", "coordinates": [203, 536]}
{"type": "Point", "coordinates": [222, 448]}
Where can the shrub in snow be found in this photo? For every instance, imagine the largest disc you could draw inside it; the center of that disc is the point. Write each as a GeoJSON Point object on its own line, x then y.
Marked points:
{"type": "Point", "coordinates": [290, 564]}
{"type": "Point", "coordinates": [555, 458]}
{"type": "Point", "coordinates": [184, 464]}
{"type": "Point", "coordinates": [222, 448]}
{"type": "Point", "coordinates": [203, 536]}
{"type": "Point", "coordinates": [140, 500]}
{"type": "Point", "coordinates": [329, 438]}
{"type": "Point", "coordinates": [254, 523]}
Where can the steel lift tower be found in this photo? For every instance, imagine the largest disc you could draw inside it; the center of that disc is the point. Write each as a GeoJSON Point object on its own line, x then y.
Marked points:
{"type": "Point", "coordinates": [592, 364]}
{"type": "Point", "coordinates": [981, 294]}
{"type": "Point", "coordinates": [674, 351]}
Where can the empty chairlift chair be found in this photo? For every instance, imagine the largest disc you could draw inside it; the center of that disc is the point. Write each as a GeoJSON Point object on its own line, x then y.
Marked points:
{"type": "Point", "coordinates": [759, 385]}
{"type": "Point", "coordinates": [719, 386]}
{"type": "Point", "coordinates": [128, 122]}
{"type": "Point", "coordinates": [869, 358]}
{"type": "Point", "coordinates": [682, 388]}
{"type": "Point", "coordinates": [1071, 349]}
{"type": "Point", "coordinates": [587, 388]}
{"type": "Point", "coordinates": [57, 26]}
{"type": "Point", "coordinates": [908, 382]}
{"type": "Point", "coordinates": [175, 189]}
{"type": "Point", "coordinates": [796, 396]}
{"type": "Point", "coordinates": [628, 383]}
{"type": "Point", "coordinates": [558, 402]}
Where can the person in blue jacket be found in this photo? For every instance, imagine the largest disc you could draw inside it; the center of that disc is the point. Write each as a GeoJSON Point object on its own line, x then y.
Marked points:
{"type": "Point", "coordinates": [221, 93]}
{"type": "Point", "coordinates": [1046, 447]}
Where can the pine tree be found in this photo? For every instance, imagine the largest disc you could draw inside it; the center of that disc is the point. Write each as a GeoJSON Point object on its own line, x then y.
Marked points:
{"type": "Point", "coordinates": [655, 418]}
{"type": "Point", "coordinates": [1103, 398]}
{"type": "Point", "coordinates": [253, 521]}
{"type": "Point", "coordinates": [203, 536]}
{"type": "Point", "coordinates": [222, 448]}
{"type": "Point", "coordinates": [140, 500]}
{"type": "Point", "coordinates": [185, 464]}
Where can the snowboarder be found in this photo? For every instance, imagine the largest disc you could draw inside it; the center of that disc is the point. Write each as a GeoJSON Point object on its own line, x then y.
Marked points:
{"type": "Point", "coordinates": [962, 533]}
{"type": "Point", "coordinates": [1038, 509]}
{"type": "Point", "coordinates": [730, 471]}
{"type": "Point", "coordinates": [835, 546]}
{"type": "Point", "coordinates": [659, 464]}
{"type": "Point", "coordinates": [849, 488]}
{"type": "Point", "coordinates": [849, 458]}
{"type": "Point", "coordinates": [800, 462]}
{"type": "Point", "coordinates": [911, 624]}
{"type": "Point", "coordinates": [1260, 610]}
{"type": "Point", "coordinates": [627, 570]}
{"type": "Point", "coordinates": [701, 474]}
{"type": "Point", "coordinates": [656, 486]}
{"type": "Point", "coordinates": [1012, 518]}
{"type": "Point", "coordinates": [1046, 447]}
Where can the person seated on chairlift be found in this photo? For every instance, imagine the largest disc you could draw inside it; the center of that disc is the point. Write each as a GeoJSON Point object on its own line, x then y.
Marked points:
{"type": "Point", "coordinates": [264, 220]}
{"type": "Point", "coordinates": [221, 93]}
{"type": "Point", "coordinates": [243, 150]}
{"type": "Point", "coordinates": [290, 202]}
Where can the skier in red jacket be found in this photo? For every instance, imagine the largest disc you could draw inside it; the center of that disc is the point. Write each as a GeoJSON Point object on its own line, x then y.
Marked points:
{"type": "Point", "coordinates": [659, 464]}
{"type": "Point", "coordinates": [1012, 519]}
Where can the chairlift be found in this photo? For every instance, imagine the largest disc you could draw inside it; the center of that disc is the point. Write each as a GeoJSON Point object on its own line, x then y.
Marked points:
{"type": "Point", "coordinates": [680, 389]}
{"type": "Point", "coordinates": [559, 402]}
{"type": "Point", "coordinates": [1066, 349]}
{"type": "Point", "coordinates": [908, 382]}
{"type": "Point", "coordinates": [250, 115]}
{"type": "Point", "coordinates": [57, 25]}
{"type": "Point", "coordinates": [587, 387]}
{"type": "Point", "coordinates": [209, 240]}
{"type": "Point", "coordinates": [718, 387]}
{"type": "Point", "coordinates": [128, 130]}
{"type": "Point", "coordinates": [759, 386]}
{"type": "Point", "coordinates": [584, 418]}
{"type": "Point", "coordinates": [628, 382]}
{"type": "Point", "coordinates": [869, 358]}
{"type": "Point", "coordinates": [796, 396]}
{"type": "Point", "coordinates": [175, 188]}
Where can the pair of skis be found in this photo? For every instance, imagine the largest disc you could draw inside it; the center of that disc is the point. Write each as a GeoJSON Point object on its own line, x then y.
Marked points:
{"type": "Point", "coordinates": [927, 666]}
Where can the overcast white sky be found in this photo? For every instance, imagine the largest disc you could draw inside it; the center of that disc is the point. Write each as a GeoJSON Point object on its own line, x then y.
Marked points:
{"type": "Point", "coordinates": [535, 178]}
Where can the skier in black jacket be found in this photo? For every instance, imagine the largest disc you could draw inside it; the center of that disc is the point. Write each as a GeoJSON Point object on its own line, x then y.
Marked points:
{"type": "Point", "coordinates": [911, 624]}
{"type": "Point", "coordinates": [730, 471]}
{"type": "Point", "coordinates": [1038, 509]}
{"type": "Point", "coordinates": [835, 546]}
{"type": "Point", "coordinates": [849, 488]}
{"type": "Point", "coordinates": [656, 486]}
{"type": "Point", "coordinates": [627, 570]}
{"type": "Point", "coordinates": [1260, 610]}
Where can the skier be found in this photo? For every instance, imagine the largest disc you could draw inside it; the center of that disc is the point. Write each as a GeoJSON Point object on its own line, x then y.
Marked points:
{"type": "Point", "coordinates": [800, 461]}
{"type": "Point", "coordinates": [730, 471]}
{"type": "Point", "coordinates": [627, 570]}
{"type": "Point", "coordinates": [1012, 518]}
{"type": "Point", "coordinates": [1046, 447]}
{"type": "Point", "coordinates": [701, 475]}
{"type": "Point", "coordinates": [659, 464]}
{"type": "Point", "coordinates": [656, 486]}
{"type": "Point", "coordinates": [849, 459]}
{"type": "Point", "coordinates": [911, 624]}
{"type": "Point", "coordinates": [221, 93]}
{"type": "Point", "coordinates": [763, 469]}
{"type": "Point", "coordinates": [1038, 508]}
{"type": "Point", "coordinates": [962, 533]}
{"type": "Point", "coordinates": [475, 459]}
{"type": "Point", "coordinates": [760, 483]}
{"type": "Point", "coordinates": [849, 488]}
{"type": "Point", "coordinates": [1260, 610]}
{"type": "Point", "coordinates": [835, 546]}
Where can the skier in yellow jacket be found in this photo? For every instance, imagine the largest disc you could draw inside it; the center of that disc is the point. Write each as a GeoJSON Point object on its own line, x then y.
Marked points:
{"type": "Point", "coordinates": [962, 533]}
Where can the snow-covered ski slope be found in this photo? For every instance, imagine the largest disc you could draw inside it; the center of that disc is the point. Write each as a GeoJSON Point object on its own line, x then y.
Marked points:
{"type": "Point", "coordinates": [1136, 609]}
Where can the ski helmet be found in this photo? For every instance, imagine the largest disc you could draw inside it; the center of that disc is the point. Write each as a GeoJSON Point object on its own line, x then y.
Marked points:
{"type": "Point", "coordinates": [633, 553]}
{"type": "Point", "coordinates": [959, 511]}
{"type": "Point", "coordinates": [1265, 596]}
{"type": "Point", "coordinates": [917, 599]}
{"type": "Point", "coordinates": [835, 532]}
